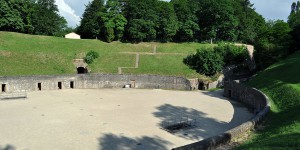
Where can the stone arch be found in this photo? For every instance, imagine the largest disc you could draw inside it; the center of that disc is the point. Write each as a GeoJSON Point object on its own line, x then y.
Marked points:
{"type": "Point", "coordinates": [82, 70]}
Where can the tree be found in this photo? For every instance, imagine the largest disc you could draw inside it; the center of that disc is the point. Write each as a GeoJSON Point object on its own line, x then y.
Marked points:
{"type": "Point", "coordinates": [167, 23]}
{"type": "Point", "coordinates": [10, 16]}
{"type": "Point", "coordinates": [91, 21]}
{"type": "Point", "coordinates": [218, 18]}
{"type": "Point", "coordinates": [294, 17]}
{"type": "Point", "coordinates": [46, 20]}
{"type": "Point", "coordinates": [249, 21]}
{"type": "Point", "coordinates": [273, 43]}
{"type": "Point", "coordinates": [114, 21]}
{"type": "Point", "coordinates": [142, 20]}
{"type": "Point", "coordinates": [294, 23]}
{"type": "Point", "coordinates": [187, 20]}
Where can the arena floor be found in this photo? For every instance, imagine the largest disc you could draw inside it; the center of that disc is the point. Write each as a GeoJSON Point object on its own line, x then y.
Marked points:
{"type": "Point", "coordinates": [112, 119]}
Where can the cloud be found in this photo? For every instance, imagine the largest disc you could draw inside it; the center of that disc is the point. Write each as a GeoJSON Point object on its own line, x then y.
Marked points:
{"type": "Point", "coordinates": [68, 13]}
{"type": "Point", "coordinates": [78, 5]}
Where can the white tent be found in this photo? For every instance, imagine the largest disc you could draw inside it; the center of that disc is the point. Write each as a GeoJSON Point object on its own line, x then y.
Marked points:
{"type": "Point", "coordinates": [72, 36]}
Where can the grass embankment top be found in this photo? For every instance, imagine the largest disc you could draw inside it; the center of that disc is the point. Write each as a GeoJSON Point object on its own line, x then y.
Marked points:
{"type": "Point", "coordinates": [22, 54]}
{"type": "Point", "coordinates": [281, 82]}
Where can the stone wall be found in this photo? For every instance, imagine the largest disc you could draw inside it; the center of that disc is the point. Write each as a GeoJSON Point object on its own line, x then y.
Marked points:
{"type": "Point", "coordinates": [91, 81]}
{"type": "Point", "coordinates": [247, 95]}
{"type": "Point", "coordinates": [250, 96]}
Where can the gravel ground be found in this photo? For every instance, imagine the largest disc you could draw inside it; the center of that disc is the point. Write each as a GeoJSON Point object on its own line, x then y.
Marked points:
{"type": "Point", "coordinates": [114, 119]}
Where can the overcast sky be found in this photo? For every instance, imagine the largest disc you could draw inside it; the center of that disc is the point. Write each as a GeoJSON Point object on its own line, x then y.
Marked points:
{"type": "Point", "coordinates": [72, 10]}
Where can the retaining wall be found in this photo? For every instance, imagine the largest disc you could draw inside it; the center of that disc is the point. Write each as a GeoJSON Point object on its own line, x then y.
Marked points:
{"type": "Point", "coordinates": [250, 96]}
{"type": "Point", "coordinates": [91, 81]}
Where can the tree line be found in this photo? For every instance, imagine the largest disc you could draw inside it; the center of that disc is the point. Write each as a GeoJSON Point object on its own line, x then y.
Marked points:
{"type": "Point", "coordinates": [192, 21]}
{"type": "Point", "coordinates": [32, 17]}
{"type": "Point", "coordinates": [155, 20]}
{"type": "Point", "coordinates": [177, 20]}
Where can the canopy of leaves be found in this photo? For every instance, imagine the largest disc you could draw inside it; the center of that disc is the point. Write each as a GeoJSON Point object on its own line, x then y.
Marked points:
{"type": "Point", "coordinates": [177, 20]}
{"type": "Point", "coordinates": [294, 23]}
{"type": "Point", "coordinates": [34, 17]}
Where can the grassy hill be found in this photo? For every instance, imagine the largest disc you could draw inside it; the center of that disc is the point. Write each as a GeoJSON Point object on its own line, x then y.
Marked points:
{"type": "Point", "coordinates": [22, 54]}
{"type": "Point", "coordinates": [281, 82]}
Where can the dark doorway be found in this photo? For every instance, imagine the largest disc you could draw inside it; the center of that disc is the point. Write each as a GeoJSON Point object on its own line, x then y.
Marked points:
{"type": "Point", "coordinates": [72, 84]}
{"type": "Point", "coordinates": [229, 93]}
{"type": "Point", "coordinates": [82, 70]}
{"type": "Point", "coordinates": [40, 86]}
{"type": "Point", "coordinates": [3, 89]}
{"type": "Point", "coordinates": [59, 85]}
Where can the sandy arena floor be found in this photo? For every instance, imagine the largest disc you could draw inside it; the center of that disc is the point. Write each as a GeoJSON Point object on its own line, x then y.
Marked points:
{"type": "Point", "coordinates": [112, 119]}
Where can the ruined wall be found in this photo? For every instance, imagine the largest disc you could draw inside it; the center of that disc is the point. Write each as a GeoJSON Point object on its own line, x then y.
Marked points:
{"type": "Point", "coordinates": [91, 81]}
{"type": "Point", "coordinates": [250, 96]}
{"type": "Point", "coordinates": [247, 95]}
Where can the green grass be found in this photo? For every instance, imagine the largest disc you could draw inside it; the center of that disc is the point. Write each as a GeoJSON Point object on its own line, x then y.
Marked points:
{"type": "Point", "coordinates": [281, 82]}
{"type": "Point", "coordinates": [163, 65]}
{"type": "Point", "coordinates": [23, 54]}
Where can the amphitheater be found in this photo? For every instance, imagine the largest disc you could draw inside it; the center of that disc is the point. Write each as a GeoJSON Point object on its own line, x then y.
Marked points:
{"type": "Point", "coordinates": [113, 112]}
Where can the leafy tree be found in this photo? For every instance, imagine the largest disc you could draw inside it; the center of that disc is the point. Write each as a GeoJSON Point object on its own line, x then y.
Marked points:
{"type": "Point", "coordinates": [187, 20]}
{"type": "Point", "coordinates": [91, 22]}
{"type": "Point", "coordinates": [249, 21]}
{"type": "Point", "coordinates": [142, 20]}
{"type": "Point", "coordinates": [294, 23]}
{"type": "Point", "coordinates": [168, 23]}
{"type": "Point", "coordinates": [10, 16]}
{"type": "Point", "coordinates": [294, 17]}
{"type": "Point", "coordinates": [217, 20]}
{"type": "Point", "coordinates": [273, 43]}
{"type": "Point", "coordinates": [114, 21]}
{"type": "Point", "coordinates": [46, 20]}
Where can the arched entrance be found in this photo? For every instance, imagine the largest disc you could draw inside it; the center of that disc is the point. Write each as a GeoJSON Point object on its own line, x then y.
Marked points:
{"type": "Point", "coordinates": [82, 70]}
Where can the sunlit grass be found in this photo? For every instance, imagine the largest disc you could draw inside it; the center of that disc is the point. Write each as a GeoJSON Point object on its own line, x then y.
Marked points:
{"type": "Point", "coordinates": [23, 54]}
{"type": "Point", "coordinates": [281, 82]}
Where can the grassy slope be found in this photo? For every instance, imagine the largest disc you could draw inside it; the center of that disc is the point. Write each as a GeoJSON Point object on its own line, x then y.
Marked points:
{"type": "Point", "coordinates": [22, 54]}
{"type": "Point", "coordinates": [281, 82]}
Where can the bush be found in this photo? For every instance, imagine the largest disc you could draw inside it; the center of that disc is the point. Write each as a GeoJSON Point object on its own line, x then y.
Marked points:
{"type": "Point", "coordinates": [205, 61]}
{"type": "Point", "coordinates": [232, 54]}
{"type": "Point", "coordinates": [209, 61]}
{"type": "Point", "coordinates": [90, 56]}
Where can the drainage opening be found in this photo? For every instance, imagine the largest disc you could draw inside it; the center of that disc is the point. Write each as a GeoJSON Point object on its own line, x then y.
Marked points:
{"type": "Point", "coordinates": [178, 126]}
{"type": "Point", "coordinates": [82, 70]}
{"type": "Point", "coordinates": [3, 89]}
{"type": "Point", "coordinates": [59, 85]}
{"type": "Point", "coordinates": [72, 84]}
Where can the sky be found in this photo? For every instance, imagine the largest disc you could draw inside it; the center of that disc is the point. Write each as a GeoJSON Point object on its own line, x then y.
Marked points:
{"type": "Point", "coordinates": [72, 10]}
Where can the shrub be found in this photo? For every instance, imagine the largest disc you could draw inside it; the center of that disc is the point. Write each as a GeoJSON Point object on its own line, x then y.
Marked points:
{"type": "Point", "coordinates": [232, 54]}
{"type": "Point", "coordinates": [209, 61]}
{"type": "Point", "coordinates": [205, 61]}
{"type": "Point", "coordinates": [90, 56]}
